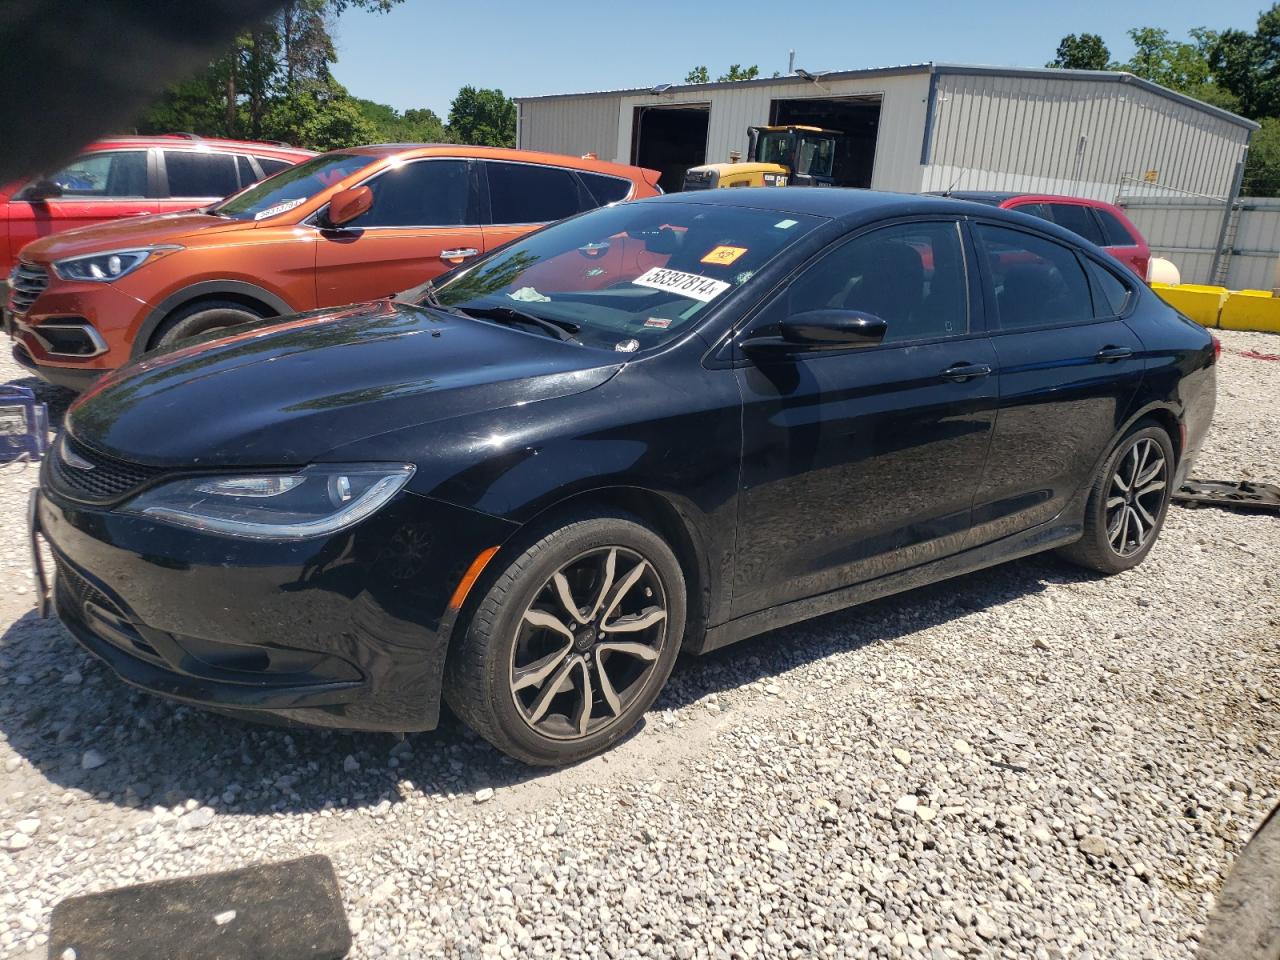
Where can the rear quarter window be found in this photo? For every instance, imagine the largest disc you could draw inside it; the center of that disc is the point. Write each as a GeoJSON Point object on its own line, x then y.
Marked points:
{"type": "Point", "coordinates": [1077, 219]}
{"type": "Point", "coordinates": [605, 189]}
{"type": "Point", "coordinates": [1114, 232]}
{"type": "Point", "coordinates": [1112, 293]}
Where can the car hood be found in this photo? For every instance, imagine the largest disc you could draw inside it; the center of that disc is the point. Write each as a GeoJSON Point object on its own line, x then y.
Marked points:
{"type": "Point", "coordinates": [286, 391]}
{"type": "Point", "coordinates": [144, 231]}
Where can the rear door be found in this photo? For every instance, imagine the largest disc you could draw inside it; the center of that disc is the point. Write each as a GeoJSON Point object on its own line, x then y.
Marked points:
{"type": "Point", "coordinates": [523, 196]}
{"type": "Point", "coordinates": [424, 220]}
{"type": "Point", "coordinates": [860, 463]}
{"type": "Point", "coordinates": [96, 187]}
{"type": "Point", "coordinates": [1069, 370]}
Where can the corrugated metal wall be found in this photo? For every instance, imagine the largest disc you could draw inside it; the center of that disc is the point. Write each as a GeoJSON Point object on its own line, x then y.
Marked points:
{"type": "Point", "coordinates": [570, 125]}
{"type": "Point", "coordinates": [1040, 133]}
{"type": "Point", "coordinates": [733, 110]}
{"type": "Point", "coordinates": [1186, 231]}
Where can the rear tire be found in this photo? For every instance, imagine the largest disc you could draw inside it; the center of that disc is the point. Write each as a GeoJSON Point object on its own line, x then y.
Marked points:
{"type": "Point", "coordinates": [200, 317]}
{"type": "Point", "coordinates": [572, 641]}
{"type": "Point", "coordinates": [1128, 502]}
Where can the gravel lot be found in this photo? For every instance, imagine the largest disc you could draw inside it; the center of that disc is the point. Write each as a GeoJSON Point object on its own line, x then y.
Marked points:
{"type": "Point", "coordinates": [1028, 761]}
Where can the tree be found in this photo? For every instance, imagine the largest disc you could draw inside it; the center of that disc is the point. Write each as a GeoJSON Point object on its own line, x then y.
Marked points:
{"type": "Point", "coordinates": [483, 117]}
{"type": "Point", "coordinates": [1262, 170]}
{"type": "Point", "coordinates": [412, 126]}
{"type": "Point", "coordinates": [1085, 51]}
{"type": "Point", "coordinates": [737, 72]}
{"type": "Point", "coordinates": [698, 75]}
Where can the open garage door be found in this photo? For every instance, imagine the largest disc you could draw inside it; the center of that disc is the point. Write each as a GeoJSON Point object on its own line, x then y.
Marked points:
{"type": "Point", "coordinates": [858, 118]}
{"type": "Point", "coordinates": [671, 139]}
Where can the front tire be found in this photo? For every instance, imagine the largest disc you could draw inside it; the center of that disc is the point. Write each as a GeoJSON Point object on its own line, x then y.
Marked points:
{"type": "Point", "coordinates": [200, 317]}
{"type": "Point", "coordinates": [1128, 503]}
{"type": "Point", "coordinates": [572, 641]}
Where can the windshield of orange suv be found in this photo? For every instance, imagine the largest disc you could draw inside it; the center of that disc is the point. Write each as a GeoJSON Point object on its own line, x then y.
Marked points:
{"type": "Point", "coordinates": [290, 188]}
{"type": "Point", "coordinates": [626, 277]}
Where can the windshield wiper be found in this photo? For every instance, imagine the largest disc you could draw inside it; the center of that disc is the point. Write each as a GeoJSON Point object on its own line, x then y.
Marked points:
{"type": "Point", "coordinates": [560, 329]}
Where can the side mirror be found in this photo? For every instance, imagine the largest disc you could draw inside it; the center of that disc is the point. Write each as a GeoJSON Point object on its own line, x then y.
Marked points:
{"type": "Point", "coordinates": [348, 204]}
{"type": "Point", "coordinates": [816, 331]}
{"type": "Point", "coordinates": [43, 189]}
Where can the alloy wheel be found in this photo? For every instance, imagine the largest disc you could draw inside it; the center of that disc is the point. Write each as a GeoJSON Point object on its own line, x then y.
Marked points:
{"type": "Point", "coordinates": [1135, 497]}
{"type": "Point", "coordinates": [587, 644]}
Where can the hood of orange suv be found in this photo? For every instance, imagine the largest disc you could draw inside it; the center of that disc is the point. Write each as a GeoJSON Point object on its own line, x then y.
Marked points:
{"type": "Point", "coordinates": [142, 231]}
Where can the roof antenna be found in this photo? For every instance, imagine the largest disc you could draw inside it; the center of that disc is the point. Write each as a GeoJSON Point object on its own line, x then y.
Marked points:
{"type": "Point", "coordinates": [954, 184]}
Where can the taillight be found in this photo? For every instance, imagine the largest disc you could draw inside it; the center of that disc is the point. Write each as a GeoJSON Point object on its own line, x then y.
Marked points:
{"type": "Point", "coordinates": [1217, 346]}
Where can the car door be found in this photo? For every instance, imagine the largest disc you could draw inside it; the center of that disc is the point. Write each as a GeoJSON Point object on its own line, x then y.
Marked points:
{"type": "Point", "coordinates": [523, 196]}
{"type": "Point", "coordinates": [196, 178]}
{"type": "Point", "coordinates": [860, 463]}
{"type": "Point", "coordinates": [96, 187]}
{"type": "Point", "coordinates": [424, 220]}
{"type": "Point", "coordinates": [1069, 367]}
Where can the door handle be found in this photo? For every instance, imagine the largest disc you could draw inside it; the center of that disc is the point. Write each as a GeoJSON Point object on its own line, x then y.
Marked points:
{"type": "Point", "coordinates": [1112, 354]}
{"type": "Point", "coordinates": [962, 372]}
{"type": "Point", "coordinates": [461, 253]}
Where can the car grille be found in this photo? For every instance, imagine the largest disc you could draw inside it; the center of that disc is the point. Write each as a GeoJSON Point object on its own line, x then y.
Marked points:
{"type": "Point", "coordinates": [80, 589]}
{"type": "Point", "coordinates": [104, 481]}
{"type": "Point", "coordinates": [26, 282]}
{"type": "Point", "coordinates": [98, 612]}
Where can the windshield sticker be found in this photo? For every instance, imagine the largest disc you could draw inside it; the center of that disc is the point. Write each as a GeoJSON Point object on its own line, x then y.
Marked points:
{"type": "Point", "coordinates": [691, 285]}
{"type": "Point", "coordinates": [660, 323]}
{"type": "Point", "coordinates": [723, 256]}
{"type": "Point", "coordinates": [627, 346]}
{"type": "Point", "coordinates": [278, 209]}
{"type": "Point", "coordinates": [786, 224]}
{"type": "Point", "coordinates": [528, 295]}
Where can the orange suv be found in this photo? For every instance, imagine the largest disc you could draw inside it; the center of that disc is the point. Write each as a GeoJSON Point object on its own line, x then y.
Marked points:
{"type": "Point", "coordinates": [342, 227]}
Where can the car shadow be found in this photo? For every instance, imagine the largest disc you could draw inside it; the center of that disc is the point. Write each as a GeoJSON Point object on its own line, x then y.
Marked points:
{"type": "Point", "coordinates": [86, 731]}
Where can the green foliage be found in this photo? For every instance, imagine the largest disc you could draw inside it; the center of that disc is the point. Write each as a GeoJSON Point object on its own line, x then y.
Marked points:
{"type": "Point", "coordinates": [698, 75]}
{"type": "Point", "coordinates": [412, 126]}
{"type": "Point", "coordinates": [483, 117]}
{"type": "Point", "coordinates": [321, 115]}
{"type": "Point", "coordinates": [738, 72]}
{"type": "Point", "coordinates": [1262, 171]}
{"type": "Point", "coordinates": [1085, 51]}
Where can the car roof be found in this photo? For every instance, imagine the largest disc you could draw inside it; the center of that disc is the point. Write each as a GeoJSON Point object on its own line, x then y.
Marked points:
{"type": "Point", "coordinates": [997, 197]}
{"type": "Point", "coordinates": [181, 141]}
{"type": "Point", "coordinates": [410, 150]}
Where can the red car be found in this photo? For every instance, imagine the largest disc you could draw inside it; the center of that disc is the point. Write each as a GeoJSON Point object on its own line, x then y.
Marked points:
{"type": "Point", "coordinates": [1101, 223]}
{"type": "Point", "coordinates": [128, 176]}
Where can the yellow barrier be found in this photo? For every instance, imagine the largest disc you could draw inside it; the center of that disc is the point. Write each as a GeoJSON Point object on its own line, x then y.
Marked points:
{"type": "Point", "coordinates": [1201, 303]}
{"type": "Point", "coordinates": [1250, 312]}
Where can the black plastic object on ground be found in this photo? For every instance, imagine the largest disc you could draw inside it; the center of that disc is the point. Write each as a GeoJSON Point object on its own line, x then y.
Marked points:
{"type": "Point", "coordinates": [1220, 493]}
{"type": "Point", "coordinates": [284, 911]}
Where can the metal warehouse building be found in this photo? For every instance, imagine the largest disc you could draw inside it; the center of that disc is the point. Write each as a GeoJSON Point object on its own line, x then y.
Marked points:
{"type": "Point", "coordinates": [923, 127]}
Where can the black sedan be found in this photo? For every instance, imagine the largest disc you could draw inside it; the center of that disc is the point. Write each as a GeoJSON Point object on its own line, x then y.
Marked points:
{"type": "Point", "coordinates": [659, 426]}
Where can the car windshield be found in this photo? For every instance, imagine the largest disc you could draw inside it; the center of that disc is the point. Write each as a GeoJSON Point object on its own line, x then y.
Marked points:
{"type": "Point", "coordinates": [290, 188]}
{"type": "Point", "coordinates": [626, 277]}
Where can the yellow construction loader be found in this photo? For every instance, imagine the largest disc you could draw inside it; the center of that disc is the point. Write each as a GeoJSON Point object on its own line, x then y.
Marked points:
{"type": "Point", "coordinates": [776, 157]}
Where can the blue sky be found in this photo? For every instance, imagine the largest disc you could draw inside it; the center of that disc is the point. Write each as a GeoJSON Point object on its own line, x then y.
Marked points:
{"type": "Point", "coordinates": [422, 52]}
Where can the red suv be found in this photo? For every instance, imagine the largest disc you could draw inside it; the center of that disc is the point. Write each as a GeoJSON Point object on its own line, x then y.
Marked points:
{"type": "Point", "coordinates": [127, 176]}
{"type": "Point", "coordinates": [1098, 222]}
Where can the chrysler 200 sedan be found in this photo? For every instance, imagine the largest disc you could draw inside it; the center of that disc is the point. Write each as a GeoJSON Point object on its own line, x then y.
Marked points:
{"type": "Point", "coordinates": [659, 426]}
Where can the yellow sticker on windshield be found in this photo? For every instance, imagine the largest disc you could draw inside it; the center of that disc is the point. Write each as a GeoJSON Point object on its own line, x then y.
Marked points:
{"type": "Point", "coordinates": [723, 256]}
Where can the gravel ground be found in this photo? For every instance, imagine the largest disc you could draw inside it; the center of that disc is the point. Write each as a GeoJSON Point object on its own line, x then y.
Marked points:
{"type": "Point", "coordinates": [1028, 761]}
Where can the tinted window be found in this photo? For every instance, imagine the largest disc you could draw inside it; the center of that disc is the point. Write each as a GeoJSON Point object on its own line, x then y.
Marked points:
{"type": "Point", "coordinates": [1037, 281]}
{"type": "Point", "coordinates": [429, 193]}
{"type": "Point", "coordinates": [1114, 232]}
{"type": "Point", "coordinates": [271, 165]}
{"type": "Point", "coordinates": [1077, 219]}
{"type": "Point", "coordinates": [605, 189]}
{"type": "Point", "coordinates": [911, 275]}
{"type": "Point", "coordinates": [247, 174]}
{"type": "Point", "coordinates": [119, 174]}
{"type": "Point", "coordinates": [1113, 293]}
{"type": "Point", "coordinates": [1040, 210]}
{"type": "Point", "coordinates": [194, 174]}
{"type": "Point", "coordinates": [524, 193]}
{"type": "Point", "coordinates": [291, 187]}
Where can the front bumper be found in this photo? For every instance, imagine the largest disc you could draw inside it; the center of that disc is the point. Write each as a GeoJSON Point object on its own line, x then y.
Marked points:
{"type": "Point", "coordinates": [349, 631]}
{"type": "Point", "coordinates": [78, 379]}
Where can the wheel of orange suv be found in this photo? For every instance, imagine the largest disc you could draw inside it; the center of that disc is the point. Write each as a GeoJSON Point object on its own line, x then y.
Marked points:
{"type": "Point", "coordinates": [572, 640]}
{"type": "Point", "coordinates": [1127, 503]}
{"type": "Point", "coordinates": [201, 317]}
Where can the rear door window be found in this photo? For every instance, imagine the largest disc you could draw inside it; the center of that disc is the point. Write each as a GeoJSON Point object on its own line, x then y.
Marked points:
{"type": "Point", "coordinates": [118, 173]}
{"type": "Point", "coordinates": [428, 193]}
{"type": "Point", "coordinates": [1114, 232]}
{"type": "Point", "coordinates": [527, 193]}
{"type": "Point", "coordinates": [1078, 219]}
{"type": "Point", "coordinates": [1037, 281]}
{"type": "Point", "coordinates": [1040, 210]}
{"type": "Point", "coordinates": [200, 175]}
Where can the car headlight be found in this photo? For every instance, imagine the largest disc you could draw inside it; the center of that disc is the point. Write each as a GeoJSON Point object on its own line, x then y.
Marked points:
{"type": "Point", "coordinates": [316, 501]}
{"type": "Point", "coordinates": [105, 267]}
